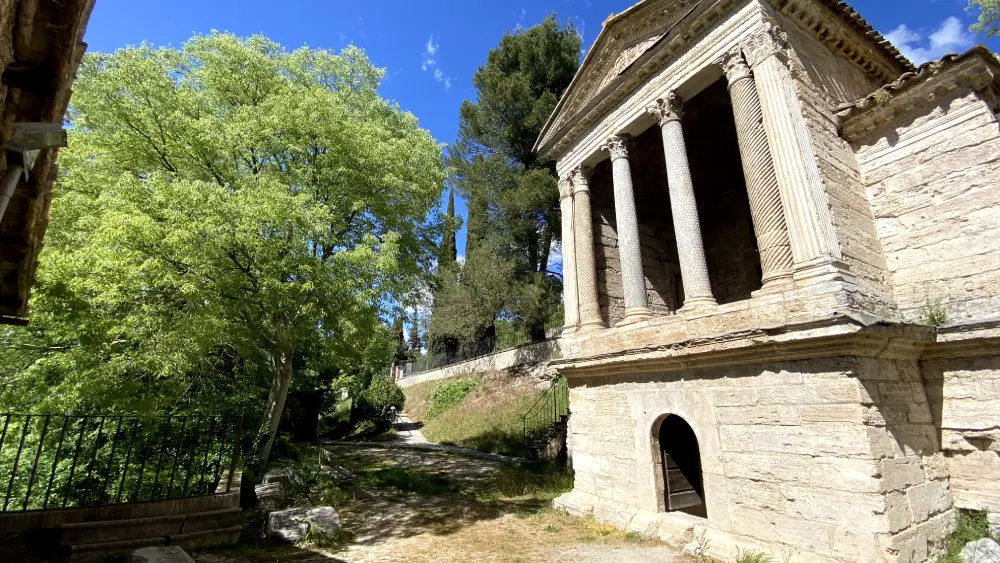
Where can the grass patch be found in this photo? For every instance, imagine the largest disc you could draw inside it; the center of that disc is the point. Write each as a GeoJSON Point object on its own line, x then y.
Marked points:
{"type": "Point", "coordinates": [752, 557]}
{"type": "Point", "coordinates": [387, 436]}
{"type": "Point", "coordinates": [448, 394]}
{"type": "Point", "coordinates": [333, 540]}
{"type": "Point", "coordinates": [542, 482]}
{"type": "Point", "coordinates": [971, 526]}
{"type": "Point", "coordinates": [489, 419]}
{"type": "Point", "coordinates": [412, 479]}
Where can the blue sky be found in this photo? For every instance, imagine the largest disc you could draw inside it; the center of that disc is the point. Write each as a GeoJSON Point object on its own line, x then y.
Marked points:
{"type": "Point", "coordinates": [431, 48]}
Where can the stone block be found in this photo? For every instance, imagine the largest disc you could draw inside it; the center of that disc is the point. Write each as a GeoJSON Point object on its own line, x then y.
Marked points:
{"type": "Point", "coordinates": [898, 511]}
{"type": "Point", "coordinates": [293, 524]}
{"type": "Point", "coordinates": [928, 499]}
{"type": "Point", "coordinates": [900, 473]}
{"type": "Point", "coordinates": [836, 473]}
{"type": "Point", "coordinates": [646, 523]}
{"type": "Point", "coordinates": [734, 397]}
{"type": "Point", "coordinates": [855, 413]}
{"type": "Point", "coordinates": [813, 393]}
{"type": "Point", "coordinates": [768, 414]}
{"type": "Point", "coordinates": [756, 494]}
{"type": "Point", "coordinates": [161, 554]}
{"type": "Point", "coordinates": [835, 507]}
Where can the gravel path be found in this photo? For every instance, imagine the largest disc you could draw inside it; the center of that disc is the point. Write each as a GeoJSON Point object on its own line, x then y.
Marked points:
{"type": "Point", "coordinates": [396, 526]}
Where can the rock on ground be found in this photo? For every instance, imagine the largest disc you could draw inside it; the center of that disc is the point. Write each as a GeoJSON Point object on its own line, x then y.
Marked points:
{"type": "Point", "coordinates": [981, 551]}
{"type": "Point", "coordinates": [269, 495]}
{"type": "Point", "coordinates": [294, 523]}
{"type": "Point", "coordinates": [161, 554]}
{"type": "Point", "coordinates": [282, 475]}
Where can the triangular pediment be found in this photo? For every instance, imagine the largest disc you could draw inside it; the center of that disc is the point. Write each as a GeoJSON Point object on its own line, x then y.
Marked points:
{"type": "Point", "coordinates": [623, 40]}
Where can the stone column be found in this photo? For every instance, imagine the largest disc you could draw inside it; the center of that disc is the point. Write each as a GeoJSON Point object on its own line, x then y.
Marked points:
{"type": "Point", "coordinates": [570, 300]}
{"type": "Point", "coordinates": [687, 227]}
{"type": "Point", "coordinates": [758, 170]}
{"type": "Point", "coordinates": [815, 249]}
{"type": "Point", "coordinates": [630, 253]}
{"type": "Point", "coordinates": [586, 268]}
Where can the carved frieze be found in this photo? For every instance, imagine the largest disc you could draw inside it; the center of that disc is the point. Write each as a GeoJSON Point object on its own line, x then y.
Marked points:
{"type": "Point", "coordinates": [628, 56]}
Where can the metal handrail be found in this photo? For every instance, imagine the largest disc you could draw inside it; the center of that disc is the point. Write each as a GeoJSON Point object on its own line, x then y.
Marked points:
{"type": "Point", "coordinates": [95, 460]}
{"type": "Point", "coordinates": [550, 398]}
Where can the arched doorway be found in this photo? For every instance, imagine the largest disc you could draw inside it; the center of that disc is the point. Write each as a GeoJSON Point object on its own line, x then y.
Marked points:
{"type": "Point", "coordinates": [680, 464]}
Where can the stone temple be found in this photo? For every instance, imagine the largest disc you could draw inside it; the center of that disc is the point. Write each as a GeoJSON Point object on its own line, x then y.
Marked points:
{"type": "Point", "coordinates": [782, 281]}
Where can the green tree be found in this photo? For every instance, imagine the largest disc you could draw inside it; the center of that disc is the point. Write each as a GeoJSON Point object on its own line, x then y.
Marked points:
{"type": "Point", "coordinates": [989, 17]}
{"type": "Point", "coordinates": [512, 196]}
{"type": "Point", "coordinates": [227, 200]}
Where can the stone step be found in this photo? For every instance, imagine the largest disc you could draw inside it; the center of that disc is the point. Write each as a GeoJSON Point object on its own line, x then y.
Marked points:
{"type": "Point", "coordinates": [207, 538]}
{"type": "Point", "coordinates": [87, 551]}
{"type": "Point", "coordinates": [82, 533]}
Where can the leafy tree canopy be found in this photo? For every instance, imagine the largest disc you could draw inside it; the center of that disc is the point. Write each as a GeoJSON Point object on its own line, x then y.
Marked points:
{"type": "Point", "coordinates": [989, 17]}
{"type": "Point", "coordinates": [227, 209]}
{"type": "Point", "coordinates": [512, 196]}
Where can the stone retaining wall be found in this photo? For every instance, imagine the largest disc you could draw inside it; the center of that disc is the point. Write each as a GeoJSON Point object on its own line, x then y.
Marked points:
{"type": "Point", "coordinates": [533, 358]}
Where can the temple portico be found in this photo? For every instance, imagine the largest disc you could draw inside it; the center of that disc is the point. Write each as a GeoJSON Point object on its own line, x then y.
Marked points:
{"type": "Point", "coordinates": [762, 201]}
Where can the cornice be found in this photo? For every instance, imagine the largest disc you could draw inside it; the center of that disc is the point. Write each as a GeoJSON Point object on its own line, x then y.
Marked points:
{"type": "Point", "coordinates": [977, 68]}
{"type": "Point", "coordinates": [842, 335]}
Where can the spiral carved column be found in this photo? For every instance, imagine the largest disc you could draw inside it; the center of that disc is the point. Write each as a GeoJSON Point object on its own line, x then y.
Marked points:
{"type": "Point", "coordinates": [758, 169]}
{"type": "Point", "coordinates": [586, 266]}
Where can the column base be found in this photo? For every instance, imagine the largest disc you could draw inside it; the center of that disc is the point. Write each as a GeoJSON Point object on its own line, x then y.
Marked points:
{"type": "Point", "coordinates": [635, 315]}
{"type": "Point", "coordinates": [590, 327]}
{"type": "Point", "coordinates": [821, 270]}
{"type": "Point", "coordinates": [697, 304]}
{"type": "Point", "coordinates": [570, 329]}
{"type": "Point", "coordinates": [776, 282]}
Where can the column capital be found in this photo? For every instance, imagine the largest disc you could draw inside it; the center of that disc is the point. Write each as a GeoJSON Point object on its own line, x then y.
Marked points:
{"type": "Point", "coordinates": [617, 145]}
{"type": "Point", "coordinates": [767, 42]}
{"type": "Point", "coordinates": [668, 108]}
{"type": "Point", "coordinates": [566, 187]}
{"type": "Point", "coordinates": [734, 66]}
{"type": "Point", "coordinates": [580, 176]}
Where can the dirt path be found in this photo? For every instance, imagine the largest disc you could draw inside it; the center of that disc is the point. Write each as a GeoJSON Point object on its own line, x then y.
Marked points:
{"type": "Point", "coordinates": [460, 525]}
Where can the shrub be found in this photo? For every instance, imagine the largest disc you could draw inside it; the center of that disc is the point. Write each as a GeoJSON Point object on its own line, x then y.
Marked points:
{"type": "Point", "coordinates": [449, 394]}
{"type": "Point", "coordinates": [375, 410]}
{"type": "Point", "coordinates": [971, 526]}
{"type": "Point", "coordinates": [933, 313]}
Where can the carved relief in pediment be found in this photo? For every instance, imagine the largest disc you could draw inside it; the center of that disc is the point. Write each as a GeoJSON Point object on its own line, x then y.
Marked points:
{"type": "Point", "coordinates": [625, 42]}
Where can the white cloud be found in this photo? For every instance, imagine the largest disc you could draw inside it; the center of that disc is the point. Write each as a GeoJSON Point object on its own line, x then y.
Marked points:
{"type": "Point", "coordinates": [950, 37]}
{"type": "Point", "coordinates": [430, 63]}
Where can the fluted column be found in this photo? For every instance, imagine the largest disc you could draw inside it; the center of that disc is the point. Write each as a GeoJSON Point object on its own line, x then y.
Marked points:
{"type": "Point", "coordinates": [687, 227]}
{"type": "Point", "coordinates": [758, 170]}
{"type": "Point", "coordinates": [630, 253]}
{"type": "Point", "coordinates": [815, 249]}
{"type": "Point", "coordinates": [586, 266]}
{"type": "Point", "coordinates": [571, 302]}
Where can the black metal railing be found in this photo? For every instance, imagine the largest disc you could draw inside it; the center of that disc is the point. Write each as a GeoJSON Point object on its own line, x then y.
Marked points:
{"type": "Point", "coordinates": [508, 338]}
{"type": "Point", "coordinates": [64, 461]}
{"type": "Point", "coordinates": [547, 410]}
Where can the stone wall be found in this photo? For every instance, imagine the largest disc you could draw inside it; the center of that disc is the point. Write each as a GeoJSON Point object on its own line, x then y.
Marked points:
{"type": "Point", "coordinates": [533, 359]}
{"type": "Point", "coordinates": [833, 458]}
{"type": "Point", "coordinates": [824, 81]}
{"type": "Point", "coordinates": [964, 395]}
{"type": "Point", "coordinates": [934, 182]}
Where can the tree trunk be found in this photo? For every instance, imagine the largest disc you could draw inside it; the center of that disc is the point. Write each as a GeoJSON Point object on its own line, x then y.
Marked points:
{"type": "Point", "coordinates": [275, 406]}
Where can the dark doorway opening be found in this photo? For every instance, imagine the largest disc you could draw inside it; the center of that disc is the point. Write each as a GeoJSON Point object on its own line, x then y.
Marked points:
{"type": "Point", "coordinates": [680, 458]}
{"type": "Point", "coordinates": [721, 193]}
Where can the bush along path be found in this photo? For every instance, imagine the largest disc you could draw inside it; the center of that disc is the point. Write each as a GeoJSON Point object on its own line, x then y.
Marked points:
{"type": "Point", "coordinates": [425, 506]}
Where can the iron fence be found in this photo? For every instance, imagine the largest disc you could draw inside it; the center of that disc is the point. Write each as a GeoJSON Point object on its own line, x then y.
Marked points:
{"type": "Point", "coordinates": [547, 410]}
{"type": "Point", "coordinates": [64, 461]}
{"type": "Point", "coordinates": [508, 337]}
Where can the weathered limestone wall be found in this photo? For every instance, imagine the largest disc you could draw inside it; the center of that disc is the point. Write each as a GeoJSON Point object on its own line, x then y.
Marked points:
{"type": "Point", "coordinates": [823, 81]}
{"type": "Point", "coordinates": [832, 458]}
{"type": "Point", "coordinates": [934, 182]}
{"type": "Point", "coordinates": [964, 395]}
{"type": "Point", "coordinates": [532, 359]}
